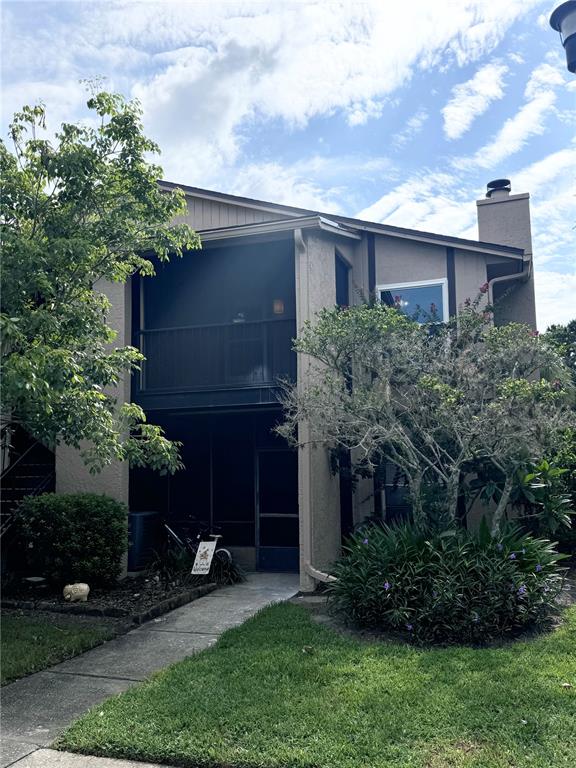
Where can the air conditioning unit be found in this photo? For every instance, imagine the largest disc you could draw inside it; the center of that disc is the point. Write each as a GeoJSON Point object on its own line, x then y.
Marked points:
{"type": "Point", "coordinates": [144, 537]}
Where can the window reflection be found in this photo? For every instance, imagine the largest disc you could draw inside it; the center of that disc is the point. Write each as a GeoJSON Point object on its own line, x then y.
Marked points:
{"type": "Point", "coordinates": [422, 303]}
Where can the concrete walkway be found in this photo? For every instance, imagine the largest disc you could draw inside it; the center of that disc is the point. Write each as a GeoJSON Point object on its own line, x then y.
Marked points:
{"type": "Point", "coordinates": [36, 709]}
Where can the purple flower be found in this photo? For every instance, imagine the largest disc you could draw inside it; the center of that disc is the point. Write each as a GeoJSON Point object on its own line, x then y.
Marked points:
{"type": "Point", "coordinates": [434, 594]}
{"type": "Point", "coordinates": [409, 627]}
{"type": "Point", "coordinates": [386, 585]}
{"type": "Point", "coordinates": [365, 541]}
{"type": "Point", "coordinates": [538, 568]}
{"type": "Point", "coordinates": [513, 556]}
{"type": "Point", "coordinates": [522, 589]}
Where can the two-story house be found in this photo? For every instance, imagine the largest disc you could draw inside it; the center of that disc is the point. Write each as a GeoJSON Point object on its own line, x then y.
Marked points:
{"type": "Point", "coordinates": [216, 328]}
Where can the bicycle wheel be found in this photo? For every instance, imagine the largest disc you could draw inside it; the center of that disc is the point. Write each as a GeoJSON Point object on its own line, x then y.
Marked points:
{"type": "Point", "coordinates": [223, 555]}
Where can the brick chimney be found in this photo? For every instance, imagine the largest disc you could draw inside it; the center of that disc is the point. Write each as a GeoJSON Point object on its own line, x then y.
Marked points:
{"type": "Point", "coordinates": [504, 218]}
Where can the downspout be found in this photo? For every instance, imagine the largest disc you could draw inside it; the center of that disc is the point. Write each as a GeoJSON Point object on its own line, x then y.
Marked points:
{"type": "Point", "coordinates": [523, 276]}
{"type": "Point", "coordinates": [299, 241]}
{"type": "Point", "coordinates": [326, 578]}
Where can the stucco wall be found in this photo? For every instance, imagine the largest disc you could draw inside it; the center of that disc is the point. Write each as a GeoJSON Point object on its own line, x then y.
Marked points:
{"type": "Point", "coordinates": [470, 269]}
{"type": "Point", "coordinates": [71, 472]}
{"type": "Point", "coordinates": [505, 219]}
{"type": "Point", "coordinates": [318, 489]}
{"type": "Point", "coordinates": [399, 260]}
{"type": "Point", "coordinates": [359, 289]}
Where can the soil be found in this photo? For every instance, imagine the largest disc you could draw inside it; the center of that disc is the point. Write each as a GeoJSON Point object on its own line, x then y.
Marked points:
{"type": "Point", "coordinates": [133, 596]}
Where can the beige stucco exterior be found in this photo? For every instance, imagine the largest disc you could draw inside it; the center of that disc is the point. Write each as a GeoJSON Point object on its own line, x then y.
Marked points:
{"type": "Point", "coordinates": [505, 218]}
{"type": "Point", "coordinates": [403, 261]}
{"type": "Point", "coordinates": [71, 472]}
{"type": "Point", "coordinates": [318, 488]}
{"type": "Point", "coordinates": [398, 258]}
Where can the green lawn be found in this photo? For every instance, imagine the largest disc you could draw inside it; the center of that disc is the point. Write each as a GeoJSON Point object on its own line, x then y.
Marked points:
{"type": "Point", "coordinates": [256, 699]}
{"type": "Point", "coordinates": [29, 644]}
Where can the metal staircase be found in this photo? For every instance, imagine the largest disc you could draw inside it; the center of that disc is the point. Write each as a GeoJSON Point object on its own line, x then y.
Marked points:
{"type": "Point", "coordinates": [30, 471]}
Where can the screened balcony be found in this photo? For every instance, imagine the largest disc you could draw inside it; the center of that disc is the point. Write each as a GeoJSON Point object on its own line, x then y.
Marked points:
{"type": "Point", "coordinates": [216, 327]}
{"type": "Point", "coordinates": [241, 354]}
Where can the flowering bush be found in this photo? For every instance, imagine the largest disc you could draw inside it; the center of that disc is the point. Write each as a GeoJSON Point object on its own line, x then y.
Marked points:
{"type": "Point", "coordinates": [447, 587]}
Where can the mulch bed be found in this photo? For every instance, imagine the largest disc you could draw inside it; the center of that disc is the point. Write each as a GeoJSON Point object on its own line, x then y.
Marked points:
{"type": "Point", "coordinates": [138, 599]}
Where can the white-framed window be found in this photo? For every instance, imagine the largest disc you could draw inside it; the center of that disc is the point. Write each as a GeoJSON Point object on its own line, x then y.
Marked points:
{"type": "Point", "coordinates": [420, 300]}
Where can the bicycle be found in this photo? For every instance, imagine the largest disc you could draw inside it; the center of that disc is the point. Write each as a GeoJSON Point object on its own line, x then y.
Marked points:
{"type": "Point", "coordinates": [185, 544]}
{"type": "Point", "coordinates": [181, 546]}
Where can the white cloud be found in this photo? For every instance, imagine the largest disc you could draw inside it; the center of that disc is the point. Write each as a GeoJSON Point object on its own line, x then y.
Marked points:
{"type": "Point", "coordinates": [207, 72]}
{"type": "Point", "coordinates": [360, 112]}
{"type": "Point", "coordinates": [317, 182]}
{"type": "Point", "coordinates": [551, 182]}
{"type": "Point", "coordinates": [529, 121]}
{"type": "Point", "coordinates": [555, 293]}
{"type": "Point", "coordinates": [542, 79]}
{"type": "Point", "coordinates": [286, 185]}
{"type": "Point", "coordinates": [413, 127]}
{"type": "Point", "coordinates": [471, 99]}
{"type": "Point", "coordinates": [516, 58]}
{"type": "Point", "coordinates": [431, 201]}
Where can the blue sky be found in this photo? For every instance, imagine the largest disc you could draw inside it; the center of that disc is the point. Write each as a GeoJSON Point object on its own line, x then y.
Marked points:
{"type": "Point", "coordinates": [397, 112]}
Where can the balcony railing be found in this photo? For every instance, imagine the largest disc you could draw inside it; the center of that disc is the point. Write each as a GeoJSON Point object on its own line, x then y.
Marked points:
{"type": "Point", "coordinates": [247, 354]}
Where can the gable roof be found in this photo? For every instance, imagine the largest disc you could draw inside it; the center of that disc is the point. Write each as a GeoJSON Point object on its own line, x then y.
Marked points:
{"type": "Point", "coordinates": [369, 226]}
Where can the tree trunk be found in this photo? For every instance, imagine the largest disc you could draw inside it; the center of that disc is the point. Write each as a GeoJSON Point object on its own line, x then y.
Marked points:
{"type": "Point", "coordinates": [452, 490]}
{"type": "Point", "coordinates": [502, 504]}
{"type": "Point", "coordinates": [418, 514]}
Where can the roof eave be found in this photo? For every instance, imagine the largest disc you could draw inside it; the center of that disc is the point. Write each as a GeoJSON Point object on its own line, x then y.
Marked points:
{"type": "Point", "coordinates": [492, 249]}
{"type": "Point", "coordinates": [279, 225]}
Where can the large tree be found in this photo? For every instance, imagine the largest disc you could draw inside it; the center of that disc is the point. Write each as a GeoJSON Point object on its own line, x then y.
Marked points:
{"type": "Point", "coordinates": [434, 399]}
{"type": "Point", "coordinates": [79, 211]}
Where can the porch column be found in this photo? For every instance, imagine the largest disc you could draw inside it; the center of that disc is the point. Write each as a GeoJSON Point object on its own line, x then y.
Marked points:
{"type": "Point", "coordinates": [318, 488]}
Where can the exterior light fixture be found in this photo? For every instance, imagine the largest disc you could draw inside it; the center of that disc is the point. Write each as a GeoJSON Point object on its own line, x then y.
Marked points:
{"type": "Point", "coordinates": [278, 306]}
{"type": "Point", "coordinates": [563, 20]}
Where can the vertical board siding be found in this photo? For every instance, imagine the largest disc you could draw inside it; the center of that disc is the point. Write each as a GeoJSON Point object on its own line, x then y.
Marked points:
{"type": "Point", "coordinates": [211, 214]}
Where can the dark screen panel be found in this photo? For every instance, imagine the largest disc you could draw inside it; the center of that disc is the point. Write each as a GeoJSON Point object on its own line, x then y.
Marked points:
{"type": "Point", "coordinates": [222, 284]}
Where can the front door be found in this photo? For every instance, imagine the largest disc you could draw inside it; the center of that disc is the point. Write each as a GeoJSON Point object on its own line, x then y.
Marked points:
{"type": "Point", "coordinates": [277, 541]}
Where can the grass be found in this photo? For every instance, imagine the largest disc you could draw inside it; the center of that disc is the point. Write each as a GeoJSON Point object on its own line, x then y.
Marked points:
{"type": "Point", "coordinates": [284, 692]}
{"type": "Point", "coordinates": [29, 644]}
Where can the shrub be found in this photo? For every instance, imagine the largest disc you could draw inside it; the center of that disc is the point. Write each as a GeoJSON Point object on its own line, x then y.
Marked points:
{"type": "Point", "coordinates": [74, 537]}
{"type": "Point", "coordinates": [447, 587]}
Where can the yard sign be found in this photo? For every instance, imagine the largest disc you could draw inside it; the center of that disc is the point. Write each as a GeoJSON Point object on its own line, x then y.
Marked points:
{"type": "Point", "coordinates": [203, 559]}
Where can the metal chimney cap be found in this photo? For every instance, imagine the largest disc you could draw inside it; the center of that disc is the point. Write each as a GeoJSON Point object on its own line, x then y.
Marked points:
{"type": "Point", "coordinates": [498, 185]}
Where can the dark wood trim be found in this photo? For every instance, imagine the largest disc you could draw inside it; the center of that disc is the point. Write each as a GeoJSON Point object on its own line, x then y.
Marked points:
{"type": "Point", "coordinates": [451, 275]}
{"type": "Point", "coordinates": [371, 265]}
